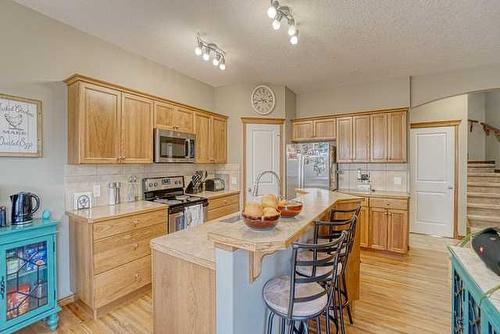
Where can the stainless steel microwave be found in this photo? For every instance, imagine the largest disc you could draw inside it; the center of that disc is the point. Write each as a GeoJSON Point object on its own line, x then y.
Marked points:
{"type": "Point", "coordinates": [173, 146]}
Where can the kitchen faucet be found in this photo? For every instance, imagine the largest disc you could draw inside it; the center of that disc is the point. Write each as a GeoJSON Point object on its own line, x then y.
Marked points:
{"type": "Point", "coordinates": [255, 191]}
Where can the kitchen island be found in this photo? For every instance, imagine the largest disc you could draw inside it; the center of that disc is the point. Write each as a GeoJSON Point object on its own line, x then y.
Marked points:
{"type": "Point", "coordinates": [209, 278]}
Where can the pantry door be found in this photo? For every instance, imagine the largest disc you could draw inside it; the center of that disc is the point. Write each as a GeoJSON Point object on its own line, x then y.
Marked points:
{"type": "Point", "coordinates": [262, 153]}
{"type": "Point", "coordinates": [432, 180]}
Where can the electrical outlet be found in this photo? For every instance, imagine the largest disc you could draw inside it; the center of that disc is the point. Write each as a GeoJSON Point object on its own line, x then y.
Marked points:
{"type": "Point", "coordinates": [234, 180]}
{"type": "Point", "coordinates": [96, 191]}
{"type": "Point", "coordinates": [398, 180]}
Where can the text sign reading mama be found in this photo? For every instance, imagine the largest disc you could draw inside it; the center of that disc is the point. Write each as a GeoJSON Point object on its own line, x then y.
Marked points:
{"type": "Point", "coordinates": [20, 126]}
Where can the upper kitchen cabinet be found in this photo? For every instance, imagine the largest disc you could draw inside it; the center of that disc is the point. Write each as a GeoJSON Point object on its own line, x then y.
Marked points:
{"type": "Point", "coordinates": [211, 138]}
{"type": "Point", "coordinates": [314, 130]}
{"type": "Point", "coordinates": [397, 136]}
{"type": "Point", "coordinates": [379, 137]}
{"type": "Point", "coordinates": [136, 129]}
{"type": "Point", "coordinates": [93, 124]}
{"type": "Point", "coordinates": [171, 117]}
{"type": "Point", "coordinates": [106, 125]}
{"type": "Point", "coordinates": [361, 138]}
{"type": "Point", "coordinates": [344, 139]}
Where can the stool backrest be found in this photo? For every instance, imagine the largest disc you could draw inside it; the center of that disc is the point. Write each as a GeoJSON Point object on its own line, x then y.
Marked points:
{"type": "Point", "coordinates": [326, 279]}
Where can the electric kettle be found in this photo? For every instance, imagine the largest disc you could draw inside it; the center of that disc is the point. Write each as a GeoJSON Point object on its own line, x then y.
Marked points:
{"type": "Point", "coordinates": [24, 205]}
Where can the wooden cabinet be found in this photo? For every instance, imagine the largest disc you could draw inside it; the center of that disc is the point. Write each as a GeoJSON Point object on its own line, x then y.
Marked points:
{"type": "Point", "coordinates": [318, 129]}
{"type": "Point", "coordinates": [364, 227]}
{"type": "Point", "coordinates": [223, 206]}
{"type": "Point", "coordinates": [110, 258]}
{"type": "Point", "coordinates": [136, 129]}
{"type": "Point", "coordinates": [361, 138]}
{"type": "Point", "coordinates": [397, 137]}
{"type": "Point", "coordinates": [378, 137]}
{"type": "Point", "coordinates": [302, 131]}
{"type": "Point", "coordinates": [344, 139]}
{"type": "Point", "coordinates": [397, 240]}
{"type": "Point", "coordinates": [171, 117]}
{"type": "Point", "coordinates": [211, 138]}
{"type": "Point", "coordinates": [378, 228]}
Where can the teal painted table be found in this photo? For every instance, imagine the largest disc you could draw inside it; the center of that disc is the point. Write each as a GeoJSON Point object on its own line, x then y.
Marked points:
{"type": "Point", "coordinates": [470, 280]}
{"type": "Point", "coordinates": [28, 275]}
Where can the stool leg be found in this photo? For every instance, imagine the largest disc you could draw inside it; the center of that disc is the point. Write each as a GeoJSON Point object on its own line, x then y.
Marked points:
{"type": "Point", "coordinates": [318, 325]}
{"type": "Point", "coordinates": [348, 304]}
{"type": "Point", "coordinates": [270, 323]}
{"type": "Point", "coordinates": [282, 327]}
{"type": "Point", "coordinates": [341, 310]}
{"type": "Point", "coordinates": [291, 326]}
{"type": "Point", "coordinates": [327, 317]}
{"type": "Point", "coordinates": [306, 328]}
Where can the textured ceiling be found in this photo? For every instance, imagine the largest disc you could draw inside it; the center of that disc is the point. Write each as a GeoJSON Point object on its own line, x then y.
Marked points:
{"type": "Point", "coordinates": [341, 42]}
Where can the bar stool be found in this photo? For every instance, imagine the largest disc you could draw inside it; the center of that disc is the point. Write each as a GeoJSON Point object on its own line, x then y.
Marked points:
{"type": "Point", "coordinates": [334, 228]}
{"type": "Point", "coordinates": [297, 299]}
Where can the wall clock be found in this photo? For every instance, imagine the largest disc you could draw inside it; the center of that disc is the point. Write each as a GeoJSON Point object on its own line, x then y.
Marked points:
{"type": "Point", "coordinates": [263, 100]}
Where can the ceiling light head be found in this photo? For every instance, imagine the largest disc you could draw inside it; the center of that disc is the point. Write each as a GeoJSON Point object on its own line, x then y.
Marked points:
{"type": "Point", "coordinates": [273, 9]}
{"type": "Point", "coordinates": [222, 65]}
{"type": "Point", "coordinates": [216, 60]}
{"type": "Point", "coordinates": [197, 50]}
{"type": "Point", "coordinates": [206, 56]}
{"type": "Point", "coordinates": [277, 21]}
{"type": "Point", "coordinates": [292, 28]}
{"type": "Point", "coordinates": [295, 38]}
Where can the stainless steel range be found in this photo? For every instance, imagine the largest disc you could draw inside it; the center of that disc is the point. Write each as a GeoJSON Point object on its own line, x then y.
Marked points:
{"type": "Point", "coordinates": [184, 210]}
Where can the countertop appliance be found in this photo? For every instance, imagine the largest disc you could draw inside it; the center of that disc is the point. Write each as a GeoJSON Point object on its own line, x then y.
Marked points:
{"type": "Point", "coordinates": [215, 184]}
{"type": "Point", "coordinates": [196, 184]}
{"type": "Point", "coordinates": [310, 165]}
{"type": "Point", "coordinates": [173, 146]}
{"type": "Point", "coordinates": [184, 210]}
{"type": "Point", "coordinates": [24, 205]}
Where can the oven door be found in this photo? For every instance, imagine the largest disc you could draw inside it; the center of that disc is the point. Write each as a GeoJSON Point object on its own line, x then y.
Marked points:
{"type": "Point", "coordinates": [171, 146]}
{"type": "Point", "coordinates": [176, 221]}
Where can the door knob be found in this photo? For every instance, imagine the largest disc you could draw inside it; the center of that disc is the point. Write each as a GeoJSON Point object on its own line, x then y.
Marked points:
{"type": "Point", "coordinates": [450, 187]}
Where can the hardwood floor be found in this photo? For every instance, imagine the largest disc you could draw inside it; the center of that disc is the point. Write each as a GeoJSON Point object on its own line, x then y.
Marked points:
{"type": "Point", "coordinates": [399, 294]}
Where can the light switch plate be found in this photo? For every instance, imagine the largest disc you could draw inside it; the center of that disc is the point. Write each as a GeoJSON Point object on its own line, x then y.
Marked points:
{"type": "Point", "coordinates": [96, 190]}
{"type": "Point", "coordinates": [398, 180]}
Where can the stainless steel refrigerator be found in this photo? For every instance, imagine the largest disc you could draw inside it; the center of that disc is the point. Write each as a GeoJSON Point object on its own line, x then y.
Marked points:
{"type": "Point", "coordinates": [310, 165]}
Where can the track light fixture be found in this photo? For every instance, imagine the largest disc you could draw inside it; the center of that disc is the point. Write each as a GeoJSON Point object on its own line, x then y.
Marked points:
{"type": "Point", "coordinates": [209, 51]}
{"type": "Point", "coordinates": [277, 13]}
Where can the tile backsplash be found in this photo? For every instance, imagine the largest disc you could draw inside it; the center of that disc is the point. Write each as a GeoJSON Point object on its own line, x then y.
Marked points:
{"type": "Point", "coordinates": [82, 178]}
{"type": "Point", "coordinates": [383, 177]}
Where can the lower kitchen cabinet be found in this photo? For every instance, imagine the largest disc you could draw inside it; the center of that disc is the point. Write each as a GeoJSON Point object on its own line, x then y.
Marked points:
{"type": "Point", "coordinates": [364, 227]}
{"type": "Point", "coordinates": [111, 257]}
{"type": "Point", "coordinates": [378, 228]}
{"type": "Point", "coordinates": [223, 205]}
{"type": "Point", "coordinates": [397, 236]}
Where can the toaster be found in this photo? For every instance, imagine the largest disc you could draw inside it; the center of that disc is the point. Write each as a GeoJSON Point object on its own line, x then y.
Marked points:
{"type": "Point", "coordinates": [215, 184]}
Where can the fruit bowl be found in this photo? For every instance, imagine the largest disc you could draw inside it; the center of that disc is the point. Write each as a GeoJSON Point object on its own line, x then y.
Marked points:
{"type": "Point", "coordinates": [290, 208]}
{"type": "Point", "coordinates": [260, 223]}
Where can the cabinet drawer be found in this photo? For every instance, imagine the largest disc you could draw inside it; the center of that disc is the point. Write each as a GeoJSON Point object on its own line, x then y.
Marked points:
{"type": "Point", "coordinates": [122, 280]}
{"type": "Point", "coordinates": [389, 203]}
{"type": "Point", "coordinates": [119, 249]}
{"type": "Point", "coordinates": [223, 201]}
{"type": "Point", "coordinates": [223, 211]}
{"type": "Point", "coordinates": [126, 224]}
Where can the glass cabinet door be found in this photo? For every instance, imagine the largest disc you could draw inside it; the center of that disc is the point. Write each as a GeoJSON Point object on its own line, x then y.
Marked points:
{"type": "Point", "coordinates": [28, 279]}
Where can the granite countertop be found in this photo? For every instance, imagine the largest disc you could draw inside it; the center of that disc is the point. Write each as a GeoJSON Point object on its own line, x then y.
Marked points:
{"type": "Point", "coordinates": [197, 244]}
{"type": "Point", "coordinates": [100, 213]}
{"type": "Point", "coordinates": [216, 194]}
{"type": "Point", "coordinates": [377, 193]}
{"type": "Point", "coordinates": [475, 267]}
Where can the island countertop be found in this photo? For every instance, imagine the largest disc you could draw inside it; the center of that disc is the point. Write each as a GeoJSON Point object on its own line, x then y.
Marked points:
{"type": "Point", "coordinates": [197, 244]}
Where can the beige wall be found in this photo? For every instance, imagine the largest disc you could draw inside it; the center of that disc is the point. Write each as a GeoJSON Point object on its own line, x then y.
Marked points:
{"type": "Point", "coordinates": [476, 140]}
{"type": "Point", "coordinates": [453, 108]}
{"type": "Point", "coordinates": [37, 54]}
{"type": "Point", "coordinates": [492, 104]}
{"type": "Point", "coordinates": [393, 93]}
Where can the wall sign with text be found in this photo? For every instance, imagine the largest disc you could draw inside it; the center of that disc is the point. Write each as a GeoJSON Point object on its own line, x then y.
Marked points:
{"type": "Point", "coordinates": [20, 127]}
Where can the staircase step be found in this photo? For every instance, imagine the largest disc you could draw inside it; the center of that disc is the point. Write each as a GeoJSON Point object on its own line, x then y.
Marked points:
{"type": "Point", "coordinates": [483, 198]}
{"type": "Point", "coordinates": [484, 187]}
{"type": "Point", "coordinates": [481, 209]}
{"type": "Point", "coordinates": [481, 169]}
{"type": "Point", "coordinates": [474, 162]}
{"type": "Point", "coordinates": [477, 221]}
{"type": "Point", "coordinates": [483, 177]}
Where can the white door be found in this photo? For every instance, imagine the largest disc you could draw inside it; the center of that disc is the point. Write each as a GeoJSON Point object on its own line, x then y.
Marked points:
{"type": "Point", "coordinates": [432, 180]}
{"type": "Point", "coordinates": [262, 154]}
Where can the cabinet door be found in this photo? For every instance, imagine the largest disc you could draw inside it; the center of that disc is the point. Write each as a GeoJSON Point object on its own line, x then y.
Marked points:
{"type": "Point", "coordinates": [397, 136]}
{"type": "Point", "coordinates": [28, 279]}
{"type": "Point", "coordinates": [398, 231]}
{"type": "Point", "coordinates": [302, 130]}
{"type": "Point", "coordinates": [219, 140]}
{"type": "Point", "coordinates": [364, 228]}
{"type": "Point", "coordinates": [137, 129]}
{"type": "Point", "coordinates": [203, 140]}
{"type": "Point", "coordinates": [361, 139]}
{"type": "Point", "coordinates": [325, 129]}
{"type": "Point", "coordinates": [378, 228]}
{"type": "Point", "coordinates": [183, 120]}
{"type": "Point", "coordinates": [99, 124]}
{"type": "Point", "coordinates": [344, 139]}
{"type": "Point", "coordinates": [378, 137]}
{"type": "Point", "coordinates": [163, 115]}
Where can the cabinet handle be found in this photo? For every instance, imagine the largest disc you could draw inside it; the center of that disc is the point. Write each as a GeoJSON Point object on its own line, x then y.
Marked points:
{"type": "Point", "coordinates": [136, 245]}
{"type": "Point", "coordinates": [2, 287]}
{"type": "Point", "coordinates": [136, 222]}
{"type": "Point", "coordinates": [137, 277]}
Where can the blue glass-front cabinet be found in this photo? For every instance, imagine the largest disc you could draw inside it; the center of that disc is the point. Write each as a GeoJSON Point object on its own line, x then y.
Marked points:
{"type": "Point", "coordinates": [28, 276]}
{"type": "Point", "coordinates": [471, 313]}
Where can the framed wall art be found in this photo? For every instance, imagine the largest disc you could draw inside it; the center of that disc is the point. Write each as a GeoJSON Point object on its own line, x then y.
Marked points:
{"type": "Point", "coordinates": [20, 127]}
